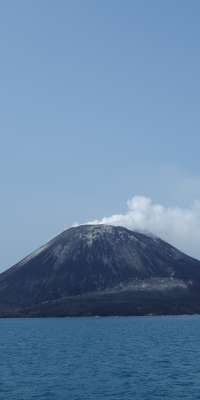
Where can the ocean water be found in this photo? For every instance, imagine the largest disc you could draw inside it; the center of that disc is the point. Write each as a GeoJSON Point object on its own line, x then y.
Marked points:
{"type": "Point", "coordinates": [120, 358]}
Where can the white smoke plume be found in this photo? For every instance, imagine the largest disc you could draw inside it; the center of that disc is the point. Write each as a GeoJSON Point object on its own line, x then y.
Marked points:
{"type": "Point", "coordinates": [178, 226]}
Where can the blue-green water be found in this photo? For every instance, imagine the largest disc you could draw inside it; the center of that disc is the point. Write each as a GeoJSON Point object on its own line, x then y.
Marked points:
{"type": "Point", "coordinates": [140, 358]}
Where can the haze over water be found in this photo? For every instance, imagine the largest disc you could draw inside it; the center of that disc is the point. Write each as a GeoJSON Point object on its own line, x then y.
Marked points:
{"type": "Point", "coordinates": [121, 358]}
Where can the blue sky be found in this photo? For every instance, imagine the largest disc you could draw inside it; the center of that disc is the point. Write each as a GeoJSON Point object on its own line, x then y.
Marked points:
{"type": "Point", "coordinates": [99, 102]}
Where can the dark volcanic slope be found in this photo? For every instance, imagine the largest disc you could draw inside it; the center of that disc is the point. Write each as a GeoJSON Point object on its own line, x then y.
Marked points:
{"type": "Point", "coordinates": [101, 269]}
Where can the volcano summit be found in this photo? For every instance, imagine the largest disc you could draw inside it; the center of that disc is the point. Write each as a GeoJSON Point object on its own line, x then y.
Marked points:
{"type": "Point", "coordinates": [101, 270]}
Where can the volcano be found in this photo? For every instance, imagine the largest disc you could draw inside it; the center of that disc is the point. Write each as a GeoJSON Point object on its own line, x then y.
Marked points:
{"type": "Point", "coordinates": [101, 270]}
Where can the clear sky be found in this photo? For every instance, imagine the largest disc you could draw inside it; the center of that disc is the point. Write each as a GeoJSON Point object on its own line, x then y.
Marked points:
{"type": "Point", "coordinates": [99, 102]}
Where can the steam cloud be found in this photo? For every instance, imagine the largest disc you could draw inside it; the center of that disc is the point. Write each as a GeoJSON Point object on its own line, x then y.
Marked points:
{"type": "Point", "coordinates": [178, 226]}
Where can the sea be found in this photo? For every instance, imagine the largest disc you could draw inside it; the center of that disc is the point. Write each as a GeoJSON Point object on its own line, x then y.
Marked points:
{"type": "Point", "coordinates": [95, 358]}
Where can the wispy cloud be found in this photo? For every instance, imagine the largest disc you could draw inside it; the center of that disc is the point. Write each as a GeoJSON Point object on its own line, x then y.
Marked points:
{"type": "Point", "coordinates": [179, 226]}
